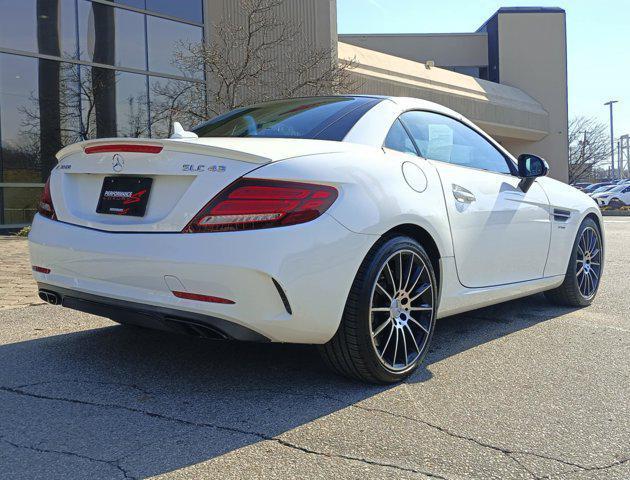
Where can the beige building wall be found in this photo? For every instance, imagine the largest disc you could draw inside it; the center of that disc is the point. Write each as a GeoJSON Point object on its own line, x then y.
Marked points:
{"type": "Point", "coordinates": [533, 58]}
{"type": "Point", "coordinates": [500, 110]}
{"type": "Point", "coordinates": [446, 50]}
{"type": "Point", "coordinates": [524, 51]}
{"type": "Point", "coordinates": [316, 21]}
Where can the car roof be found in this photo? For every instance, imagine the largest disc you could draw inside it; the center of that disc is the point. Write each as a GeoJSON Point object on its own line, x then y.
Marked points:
{"type": "Point", "coordinates": [406, 103]}
{"type": "Point", "coordinates": [411, 103]}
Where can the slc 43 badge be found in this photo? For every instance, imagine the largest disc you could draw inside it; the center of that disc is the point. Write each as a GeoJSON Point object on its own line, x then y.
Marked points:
{"type": "Point", "coordinates": [203, 168]}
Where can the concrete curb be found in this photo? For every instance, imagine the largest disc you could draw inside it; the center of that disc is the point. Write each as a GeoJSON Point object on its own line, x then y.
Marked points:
{"type": "Point", "coordinates": [616, 213]}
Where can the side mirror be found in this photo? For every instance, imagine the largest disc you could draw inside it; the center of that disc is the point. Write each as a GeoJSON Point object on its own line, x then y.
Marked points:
{"type": "Point", "coordinates": [529, 168]}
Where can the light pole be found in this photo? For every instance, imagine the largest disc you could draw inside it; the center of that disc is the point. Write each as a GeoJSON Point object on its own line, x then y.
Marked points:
{"type": "Point", "coordinates": [612, 138]}
{"type": "Point", "coordinates": [624, 142]}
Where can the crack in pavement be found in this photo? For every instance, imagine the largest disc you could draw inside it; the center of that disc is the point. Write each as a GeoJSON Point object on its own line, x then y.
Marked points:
{"type": "Point", "coordinates": [111, 463]}
{"type": "Point", "coordinates": [506, 451]}
{"type": "Point", "coordinates": [258, 435]}
{"type": "Point", "coordinates": [509, 453]}
{"type": "Point", "coordinates": [87, 382]}
{"type": "Point", "coordinates": [591, 469]}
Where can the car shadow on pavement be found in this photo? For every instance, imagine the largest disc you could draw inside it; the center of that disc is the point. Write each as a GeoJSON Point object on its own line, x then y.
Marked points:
{"type": "Point", "coordinates": [131, 402]}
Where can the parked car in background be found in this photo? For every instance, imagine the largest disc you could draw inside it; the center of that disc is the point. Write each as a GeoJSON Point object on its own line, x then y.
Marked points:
{"type": "Point", "coordinates": [617, 196]}
{"type": "Point", "coordinates": [595, 186]}
{"type": "Point", "coordinates": [602, 189]}
{"type": "Point", "coordinates": [580, 185]}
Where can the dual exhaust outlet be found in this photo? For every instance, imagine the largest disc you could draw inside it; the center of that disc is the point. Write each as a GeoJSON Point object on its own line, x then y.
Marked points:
{"type": "Point", "coordinates": [50, 297]}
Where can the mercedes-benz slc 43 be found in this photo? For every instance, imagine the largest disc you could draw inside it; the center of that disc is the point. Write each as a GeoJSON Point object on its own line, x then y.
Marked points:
{"type": "Point", "coordinates": [348, 222]}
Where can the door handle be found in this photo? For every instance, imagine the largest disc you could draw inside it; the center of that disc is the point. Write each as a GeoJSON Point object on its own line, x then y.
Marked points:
{"type": "Point", "coordinates": [462, 194]}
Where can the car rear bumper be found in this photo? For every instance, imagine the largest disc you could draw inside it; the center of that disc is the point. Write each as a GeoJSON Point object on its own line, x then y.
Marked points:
{"type": "Point", "coordinates": [288, 284]}
{"type": "Point", "coordinates": [149, 316]}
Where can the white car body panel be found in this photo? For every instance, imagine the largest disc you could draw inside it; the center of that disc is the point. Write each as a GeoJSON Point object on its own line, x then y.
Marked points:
{"type": "Point", "coordinates": [486, 230]}
{"type": "Point", "coordinates": [505, 245]}
{"type": "Point", "coordinates": [315, 265]}
{"type": "Point", "coordinates": [563, 197]}
{"type": "Point", "coordinates": [79, 176]}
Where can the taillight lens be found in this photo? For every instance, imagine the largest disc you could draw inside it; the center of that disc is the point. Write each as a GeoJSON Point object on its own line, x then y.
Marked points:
{"type": "Point", "coordinates": [250, 204]}
{"type": "Point", "coordinates": [45, 206]}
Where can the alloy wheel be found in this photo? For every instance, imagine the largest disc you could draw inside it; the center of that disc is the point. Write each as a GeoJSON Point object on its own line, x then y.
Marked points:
{"type": "Point", "coordinates": [401, 310]}
{"type": "Point", "coordinates": [588, 268]}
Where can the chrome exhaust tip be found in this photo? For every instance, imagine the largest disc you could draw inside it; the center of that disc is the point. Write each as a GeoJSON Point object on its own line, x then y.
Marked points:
{"type": "Point", "coordinates": [49, 297]}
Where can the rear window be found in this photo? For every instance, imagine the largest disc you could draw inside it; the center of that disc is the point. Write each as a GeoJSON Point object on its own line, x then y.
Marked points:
{"type": "Point", "coordinates": [324, 118]}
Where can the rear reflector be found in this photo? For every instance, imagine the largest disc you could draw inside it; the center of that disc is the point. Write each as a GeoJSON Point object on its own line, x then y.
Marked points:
{"type": "Point", "coordinates": [41, 269]}
{"type": "Point", "coordinates": [250, 204]}
{"type": "Point", "coordinates": [124, 147]}
{"type": "Point", "coordinates": [202, 298]}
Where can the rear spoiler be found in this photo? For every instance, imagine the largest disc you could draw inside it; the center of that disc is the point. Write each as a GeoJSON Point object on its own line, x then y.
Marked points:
{"type": "Point", "coordinates": [151, 146]}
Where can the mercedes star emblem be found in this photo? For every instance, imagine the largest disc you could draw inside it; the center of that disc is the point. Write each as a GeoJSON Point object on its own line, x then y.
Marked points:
{"type": "Point", "coordinates": [118, 163]}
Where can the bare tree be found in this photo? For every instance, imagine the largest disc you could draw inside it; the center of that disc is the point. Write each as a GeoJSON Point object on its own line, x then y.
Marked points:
{"type": "Point", "coordinates": [589, 147]}
{"type": "Point", "coordinates": [258, 56]}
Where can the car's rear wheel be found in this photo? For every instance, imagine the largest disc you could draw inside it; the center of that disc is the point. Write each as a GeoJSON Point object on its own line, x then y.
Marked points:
{"type": "Point", "coordinates": [584, 272]}
{"type": "Point", "coordinates": [389, 316]}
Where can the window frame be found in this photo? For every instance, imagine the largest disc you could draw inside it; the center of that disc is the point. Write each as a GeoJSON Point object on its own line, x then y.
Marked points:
{"type": "Point", "coordinates": [413, 142]}
{"type": "Point", "coordinates": [509, 162]}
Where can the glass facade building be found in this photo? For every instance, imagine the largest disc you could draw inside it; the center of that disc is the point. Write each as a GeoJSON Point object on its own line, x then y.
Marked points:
{"type": "Point", "coordinates": [72, 70]}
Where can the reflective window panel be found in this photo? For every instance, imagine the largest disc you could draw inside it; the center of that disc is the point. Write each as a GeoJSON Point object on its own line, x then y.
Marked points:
{"type": "Point", "coordinates": [186, 9]}
{"type": "Point", "coordinates": [113, 104]}
{"type": "Point", "coordinates": [22, 20]}
{"type": "Point", "coordinates": [109, 35]}
{"type": "Point", "coordinates": [18, 204]}
{"type": "Point", "coordinates": [36, 121]}
{"type": "Point", "coordinates": [132, 3]}
{"type": "Point", "coordinates": [164, 38]}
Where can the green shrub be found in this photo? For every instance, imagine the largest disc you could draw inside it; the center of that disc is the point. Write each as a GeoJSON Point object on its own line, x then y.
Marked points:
{"type": "Point", "coordinates": [24, 232]}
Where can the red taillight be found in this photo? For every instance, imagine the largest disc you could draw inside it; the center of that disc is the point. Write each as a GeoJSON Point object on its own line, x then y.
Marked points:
{"type": "Point", "coordinates": [203, 298]}
{"type": "Point", "coordinates": [124, 147]}
{"type": "Point", "coordinates": [40, 269]}
{"type": "Point", "coordinates": [45, 206]}
{"type": "Point", "coordinates": [250, 204]}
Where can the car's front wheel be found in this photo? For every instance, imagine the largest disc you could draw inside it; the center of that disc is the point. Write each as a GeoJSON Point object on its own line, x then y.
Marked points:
{"type": "Point", "coordinates": [584, 271]}
{"type": "Point", "coordinates": [389, 316]}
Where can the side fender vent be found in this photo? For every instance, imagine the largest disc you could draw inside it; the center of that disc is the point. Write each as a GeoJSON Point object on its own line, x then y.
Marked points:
{"type": "Point", "coordinates": [561, 215]}
{"type": "Point", "coordinates": [283, 297]}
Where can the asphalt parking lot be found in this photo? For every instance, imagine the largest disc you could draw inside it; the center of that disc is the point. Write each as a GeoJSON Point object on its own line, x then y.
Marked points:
{"type": "Point", "coordinates": [517, 391]}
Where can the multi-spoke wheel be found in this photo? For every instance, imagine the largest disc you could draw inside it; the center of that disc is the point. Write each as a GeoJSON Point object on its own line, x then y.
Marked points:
{"type": "Point", "coordinates": [588, 262]}
{"type": "Point", "coordinates": [401, 310]}
{"type": "Point", "coordinates": [390, 314]}
{"type": "Point", "coordinates": [585, 268]}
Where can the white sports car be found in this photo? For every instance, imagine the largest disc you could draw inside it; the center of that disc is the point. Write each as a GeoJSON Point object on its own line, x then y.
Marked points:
{"type": "Point", "coordinates": [617, 196]}
{"type": "Point", "coordinates": [350, 222]}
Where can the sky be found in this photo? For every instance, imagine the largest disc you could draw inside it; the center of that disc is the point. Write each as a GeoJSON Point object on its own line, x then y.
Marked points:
{"type": "Point", "coordinates": [598, 38]}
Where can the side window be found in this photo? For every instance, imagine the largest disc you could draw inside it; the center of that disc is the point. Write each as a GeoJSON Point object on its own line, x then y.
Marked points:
{"type": "Point", "coordinates": [398, 139]}
{"type": "Point", "coordinates": [442, 138]}
{"type": "Point", "coordinates": [626, 190]}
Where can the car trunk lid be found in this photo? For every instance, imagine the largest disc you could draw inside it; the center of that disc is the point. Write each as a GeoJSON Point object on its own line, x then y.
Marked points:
{"type": "Point", "coordinates": [179, 177]}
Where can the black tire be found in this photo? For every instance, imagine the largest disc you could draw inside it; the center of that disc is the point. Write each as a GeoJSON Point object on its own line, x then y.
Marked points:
{"type": "Point", "coordinates": [616, 203]}
{"type": "Point", "coordinates": [352, 352]}
{"type": "Point", "coordinates": [569, 293]}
